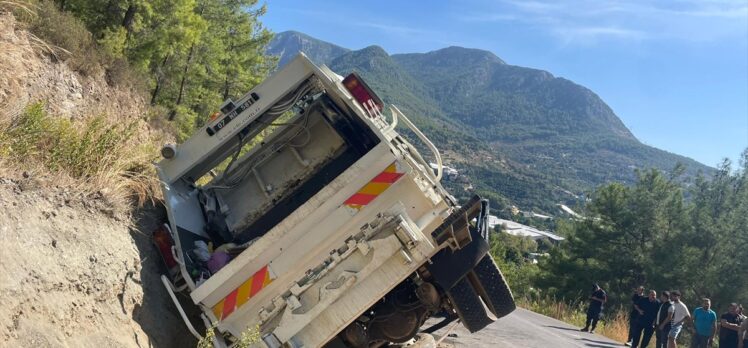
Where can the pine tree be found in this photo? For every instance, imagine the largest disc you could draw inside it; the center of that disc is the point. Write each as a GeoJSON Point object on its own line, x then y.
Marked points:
{"type": "Point", "coordinates": [660, 235]}
{"type": "Point", "coordinates": [196, 53]}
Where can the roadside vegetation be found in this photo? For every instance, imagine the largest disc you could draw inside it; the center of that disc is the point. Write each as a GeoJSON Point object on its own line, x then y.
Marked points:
{"type": "Point", "coordinates": [183, 57]}
{"type": "Point", "coordinates": [511, 254]}
{"type": "Point", "coordinates": [663, 232]}
{"type": "Point", "coordinates": [615, 325]}
{"type": "Point", "coordinates": [188, 56]}
{"type": "Point", "coordinates": [249, 336]}
{"type": "Point", "coordinates": [96, 152]}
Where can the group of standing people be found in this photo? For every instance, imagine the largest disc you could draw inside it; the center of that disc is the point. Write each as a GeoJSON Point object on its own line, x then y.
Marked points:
{"type": "Point", "coordinates": [666, 316]}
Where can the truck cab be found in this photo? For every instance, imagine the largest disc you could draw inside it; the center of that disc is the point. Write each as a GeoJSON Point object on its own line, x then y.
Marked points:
{"type": "Point", "coordinates": [298, 213]}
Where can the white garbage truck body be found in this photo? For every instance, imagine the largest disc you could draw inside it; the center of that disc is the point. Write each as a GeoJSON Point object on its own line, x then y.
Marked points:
{"type": "Point", "coordinates": [325, 226]}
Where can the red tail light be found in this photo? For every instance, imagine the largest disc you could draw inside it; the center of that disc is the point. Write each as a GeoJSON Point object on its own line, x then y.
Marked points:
{"type": "Point", "coordinates": [361, 91]}
{"type": "Point", "coordinates": [163, 241]}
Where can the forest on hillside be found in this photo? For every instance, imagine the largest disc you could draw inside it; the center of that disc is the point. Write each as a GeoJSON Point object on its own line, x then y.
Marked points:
{"type": "Point", "coordinates": [187, 55]}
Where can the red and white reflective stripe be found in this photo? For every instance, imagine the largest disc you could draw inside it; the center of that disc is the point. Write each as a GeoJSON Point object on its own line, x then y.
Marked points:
{"type": "Point", "coordinates": [243, 293]}
{"type": "Point", "coordinates": [374, 188]}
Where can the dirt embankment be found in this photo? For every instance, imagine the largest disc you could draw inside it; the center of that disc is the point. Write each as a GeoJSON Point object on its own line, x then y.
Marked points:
{"type": "Point", "coordinates": [76, 270]}
{"type": "Point", "coordinates": [77, 274]}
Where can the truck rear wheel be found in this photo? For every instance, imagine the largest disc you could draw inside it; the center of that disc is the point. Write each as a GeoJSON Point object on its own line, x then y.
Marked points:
{"type": "Point", "coordinates": [468, 305]}
{"type": "Point", "coordinates": [492, 287]}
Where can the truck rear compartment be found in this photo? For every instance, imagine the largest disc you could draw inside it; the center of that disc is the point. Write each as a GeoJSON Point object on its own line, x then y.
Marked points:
{"type": "Point", "coordinates": [280, 173]}
{"type": "Point", "coordinates": [332, 142]}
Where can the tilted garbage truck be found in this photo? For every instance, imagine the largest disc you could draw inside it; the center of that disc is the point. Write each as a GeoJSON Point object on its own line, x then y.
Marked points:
{"type": "Point", "coordinates": [298, 213]}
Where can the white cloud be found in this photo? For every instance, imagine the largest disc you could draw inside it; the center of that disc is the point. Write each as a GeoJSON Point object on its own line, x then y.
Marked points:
{"type": "Point", "coordinates": [589, 21]}
{"type": "Point", "coordinates": [735, 12]}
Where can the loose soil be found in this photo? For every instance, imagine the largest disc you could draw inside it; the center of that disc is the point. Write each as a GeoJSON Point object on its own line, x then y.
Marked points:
{"type": "Point", "coordinates": [75, 273]}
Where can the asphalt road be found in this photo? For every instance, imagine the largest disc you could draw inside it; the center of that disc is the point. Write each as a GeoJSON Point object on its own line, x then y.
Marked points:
{"type": "Point", "coordinates": [523, 328]}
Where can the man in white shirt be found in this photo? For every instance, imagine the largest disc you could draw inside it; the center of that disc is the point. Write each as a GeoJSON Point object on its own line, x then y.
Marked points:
{"type": "Point", "coordinates": [677, 314]}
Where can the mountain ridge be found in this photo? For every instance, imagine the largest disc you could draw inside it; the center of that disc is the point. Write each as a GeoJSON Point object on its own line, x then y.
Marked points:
{"type": "Point", "coordinates": [321, 52]}
{"type": "Point", "coordinates": [521, 135]}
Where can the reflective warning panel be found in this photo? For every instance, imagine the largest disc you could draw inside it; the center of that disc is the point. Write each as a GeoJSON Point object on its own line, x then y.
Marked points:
{"type": "Point", "coordinates": [243, 293]}
{"type": "Point", "coordinates": [374, 188]}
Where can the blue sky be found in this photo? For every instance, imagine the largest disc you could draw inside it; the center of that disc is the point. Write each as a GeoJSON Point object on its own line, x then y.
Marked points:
{"type": "Point", "coordinates": [675, 72]}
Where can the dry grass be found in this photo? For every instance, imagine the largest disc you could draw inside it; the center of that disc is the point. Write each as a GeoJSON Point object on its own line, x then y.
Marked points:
{"type": "Point", "coordinates": [93, 155]}
{"type": "Point", "coordinates": [614, 325]}
{"type": "Point", "coordinates": [18, 6]}
{"type": "Point", "coordinates": [97, 153]}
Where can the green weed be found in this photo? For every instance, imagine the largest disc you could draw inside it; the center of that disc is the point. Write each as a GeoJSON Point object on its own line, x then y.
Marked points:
{"type": "Point", "coordinates": [95, 151]}
{"type": "Point", "coordinates": [249, 337]}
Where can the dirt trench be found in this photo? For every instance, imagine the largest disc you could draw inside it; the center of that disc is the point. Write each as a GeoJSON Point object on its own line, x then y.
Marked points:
{"type": "Point", "coordinates": [74, 273]}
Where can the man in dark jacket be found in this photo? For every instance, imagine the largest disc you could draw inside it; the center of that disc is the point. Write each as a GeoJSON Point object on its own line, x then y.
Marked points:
{"type": "Point", "coordinates": [634, 315]}
{"type": "Point", "coordinates": [662, 326]}
{"type": "Point", "coordinates": [729, 327]}
{"type": "Point", "coordinates": [595, 309]}
{"type": "Point", "coordinates": [647, 308]}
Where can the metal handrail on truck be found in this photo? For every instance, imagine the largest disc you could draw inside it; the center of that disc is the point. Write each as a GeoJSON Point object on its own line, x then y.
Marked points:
{"type": "Point", "coordinates": [396, 113]}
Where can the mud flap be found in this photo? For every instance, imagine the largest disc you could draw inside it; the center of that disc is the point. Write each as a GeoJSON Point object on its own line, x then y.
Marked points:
{"type": "Point", "coordinates": [449, 266]}
{"type": "Point", "coordinates": [468, 244]}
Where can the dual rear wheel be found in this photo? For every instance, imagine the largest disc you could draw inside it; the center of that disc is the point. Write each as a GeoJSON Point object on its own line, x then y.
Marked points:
{"type": "Point", "coordinates": [482, 296]}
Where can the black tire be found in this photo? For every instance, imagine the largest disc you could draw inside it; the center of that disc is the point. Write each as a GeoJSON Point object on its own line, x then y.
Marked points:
{"type": "Point", "coordinates": [492, 287]}
{"type": "Point", "coordinates": [469, 307]}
